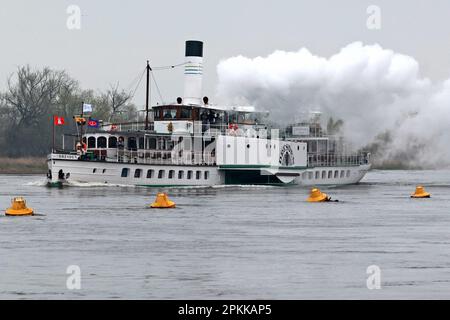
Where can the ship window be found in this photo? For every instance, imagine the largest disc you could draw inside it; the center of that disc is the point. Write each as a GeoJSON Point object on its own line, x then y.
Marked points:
{"type": "Point", "coordinates": [141, 143]}
{"type": "Point", "coordinates": [112, 143]}
{"type": "Point", "coordinates": [317, 174]}
{"type": "Point", "coordinates": [104, 170]}
{"type": "Point", "coordinates": [170, 114]}
{"type": "Point", "coordinates": [304, 175]}
{"type": "Point", "coordinates": [161, 174]}
{"type": "Point", "coordinates": [228, 145]}
{"type": "Point", "coordinates": [310, 175]}
{"type": "Point", "coordinates": [330, 174]}
{"type": "Point", "coordinates": [324, 174]}
{"type": "Point", "coordinates": [150, 173]}
{"type": "Point", "coordinates": [336, 174]}
{"type": "Point", "coordinates": [348, 173]}
{"type": "Point", "coordinates": [180, 174]}
{"type": "Point", "coordinates": [185, 113]}
{"type": "Point", "coordinates": [151, 143]}
{"type": "Point", "coordinates": [248, 146]}
{"type": "Point", "coordinates": [189, 174]}
{"type": "Point", "coordinates": [125, 172]}
{"type": "Point", "coordinates": [198, 175]}
{"type": "Point", "coordinates": [157, 113]}
{"type": "Point", "coordinates": [94, 170]}
{"type": "Point", "coordinates": [132, 143]}
{"type": "Point", "coordinates": [137, 173]}
{"type": "Point", "coordinates": [206, 175]}
{"type": "Point", "coordinates": [171, 174]}
{"type": "Point", "coordinates": [101, 142]}
{"type": "Point", "coordinates": [342, 173]}
{"type": "Point", "coordinates": [91, 142]}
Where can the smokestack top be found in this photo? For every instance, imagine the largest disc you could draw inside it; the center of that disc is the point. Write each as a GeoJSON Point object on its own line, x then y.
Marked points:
{"type": "Point", "coordinates": [194, 48]}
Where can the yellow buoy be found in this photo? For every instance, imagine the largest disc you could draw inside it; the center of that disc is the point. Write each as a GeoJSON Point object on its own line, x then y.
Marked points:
{"type": "Point", "coordinates": [420, 193]}
{"type": "Point", "coordinates": [19, 208]}
{"type": "Point", "coordinates": [162, 201]}
{"type": "Point", "coordinates": [317, 196]}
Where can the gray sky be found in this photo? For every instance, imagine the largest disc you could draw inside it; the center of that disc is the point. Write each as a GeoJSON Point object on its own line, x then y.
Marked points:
{"type": "Point", "coordinates": [116, 37]}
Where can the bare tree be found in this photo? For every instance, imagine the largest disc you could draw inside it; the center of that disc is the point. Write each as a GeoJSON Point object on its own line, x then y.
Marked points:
{"type": "Point", "coordinates": [32, 93]}
{"type": "Point", "coordinates": [32, 96]}
{"type": "Point", "coordinates": [116, 99]}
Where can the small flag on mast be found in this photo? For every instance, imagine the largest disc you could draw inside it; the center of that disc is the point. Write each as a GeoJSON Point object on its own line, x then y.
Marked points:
{"type": "Point", "coordinates": [87, 107]}
{"type": "Point", "coordinates": [93, 123]}
{"type": "Point", "coordinates": [79, 120]}
{"type": "Point", "coordinates": [58, 121]}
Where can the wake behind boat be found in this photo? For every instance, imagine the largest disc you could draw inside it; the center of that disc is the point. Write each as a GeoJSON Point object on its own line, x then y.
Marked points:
{"type": "Point", "coordinates": [191, 142]}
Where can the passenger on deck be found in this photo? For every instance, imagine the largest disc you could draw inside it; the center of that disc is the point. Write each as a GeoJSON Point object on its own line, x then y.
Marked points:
{"type": "Point", "coordinates": [120, 143]}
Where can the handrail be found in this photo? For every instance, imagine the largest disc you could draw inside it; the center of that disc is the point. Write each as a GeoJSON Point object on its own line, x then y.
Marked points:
{"type": "Point", "coordinates": [165, 157]}
{"type": "Point", "coordinates": [326, 160]}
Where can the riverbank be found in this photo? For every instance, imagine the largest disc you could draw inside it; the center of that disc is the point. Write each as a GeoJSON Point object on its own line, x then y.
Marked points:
{"type": "Point", "coordinates": [26, 165]}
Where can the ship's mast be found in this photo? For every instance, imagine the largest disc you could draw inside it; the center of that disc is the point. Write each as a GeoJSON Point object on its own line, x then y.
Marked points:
{"type": "Point", "coordinates": [147, 96]}
{"type": "Point", "coordinates": [81, 123]}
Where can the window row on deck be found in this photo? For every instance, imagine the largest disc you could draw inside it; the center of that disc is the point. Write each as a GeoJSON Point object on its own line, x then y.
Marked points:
{"type": "Point", "coordinates": [326, 174]}
{"type": "Point", "coordinates": [131, 143]}
{"type": "Point", "coordinates": [171, 174]}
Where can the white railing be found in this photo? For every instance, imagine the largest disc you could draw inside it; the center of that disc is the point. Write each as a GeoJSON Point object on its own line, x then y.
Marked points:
{"type": "Point", "coordinates": [164, 157]}
{"type": "Point", "coordinates": [328, 160]}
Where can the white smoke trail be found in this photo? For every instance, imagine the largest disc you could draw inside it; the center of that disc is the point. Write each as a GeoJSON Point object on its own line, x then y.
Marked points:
{"type": "Point", "coordinates": [374, 90]}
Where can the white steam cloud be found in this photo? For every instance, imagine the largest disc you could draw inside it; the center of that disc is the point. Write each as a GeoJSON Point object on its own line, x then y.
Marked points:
{"type": "Point", "coordinates": [374, 90]}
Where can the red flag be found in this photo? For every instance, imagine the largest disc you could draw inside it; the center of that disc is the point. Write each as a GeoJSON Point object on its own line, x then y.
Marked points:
{"type": "Point", "coordinates": [58, 121]}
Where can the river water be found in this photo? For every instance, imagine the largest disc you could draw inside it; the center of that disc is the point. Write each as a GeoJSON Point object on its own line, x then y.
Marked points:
{"type": "Point", "coordinates": [228, 242]}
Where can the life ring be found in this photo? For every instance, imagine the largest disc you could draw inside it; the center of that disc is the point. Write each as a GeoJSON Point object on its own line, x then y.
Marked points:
{"type": "Point", "coordinates": [233, 126]}
{"type": "Point", "coordinates": [84, 146]}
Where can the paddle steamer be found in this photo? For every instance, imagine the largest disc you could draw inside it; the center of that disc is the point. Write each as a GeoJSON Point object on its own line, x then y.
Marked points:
{"type": "Point", "coordinates": [191, 142]}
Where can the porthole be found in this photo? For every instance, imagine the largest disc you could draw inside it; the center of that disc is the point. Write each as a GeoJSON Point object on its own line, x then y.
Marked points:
{"type": "Point", "coordinates": [125, 172]}
{"type": "Point", "coordinates": [137, 173]}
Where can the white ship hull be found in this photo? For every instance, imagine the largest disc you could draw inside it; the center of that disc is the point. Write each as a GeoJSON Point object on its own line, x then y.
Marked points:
{"type": "Point", "coordinates": [321, 175]}
{"type": "Point", "coordinates": [99, 172]}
